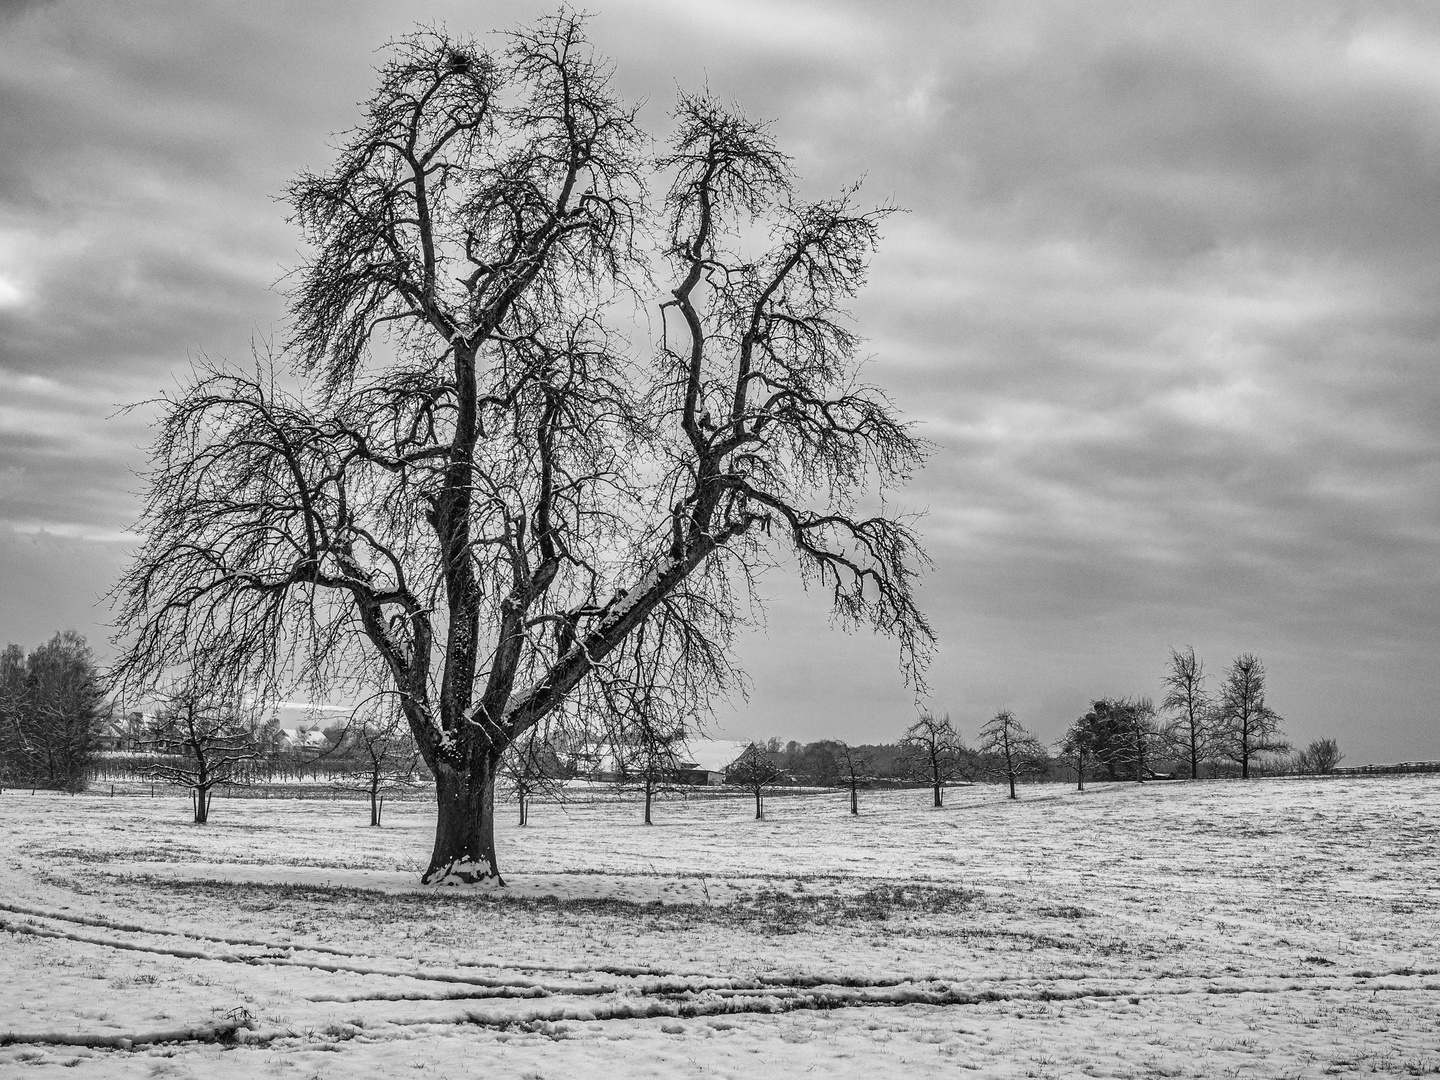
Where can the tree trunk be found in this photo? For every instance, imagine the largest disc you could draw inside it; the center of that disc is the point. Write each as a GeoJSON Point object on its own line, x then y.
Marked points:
{"type": "Point", "coordinates": [465, 825]}
{"type": "Point", "coordinates": [374, 804]}
{"type": "Point", "coordinates": [647, 802]}
{"type": "Point", "coordinates": [1011, 778]}
{"type": "Point", "coordinates": [938, 801]}
{"type": "Point", "coordinates": [759, 806]}
{"type": "Point", "coordinates": [854, 800]}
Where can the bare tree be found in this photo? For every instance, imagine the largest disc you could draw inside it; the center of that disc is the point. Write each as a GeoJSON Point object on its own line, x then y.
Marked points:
{"type": "Point", "coordinates": [1190, 706]}
{"type": "Point", "coordinates": [856, 766]}
{"type": "Point", "coordinates": [1319, 758]}
{"type": "Point", "coordinates": [201, 741]}
{"type": "Point", "coordinates": [1012, 751]}
{"type": "Point", "coordinates": [1247, 727]}
{"type": "Point", "coordinates": [645, 703]}
{"type": "Point", "coordinates": [490, 507]}
{"type": "Point", "coordinates": [933, 752]}
{"type": "Point", "coordinates": [531, 766]}
{"type": "Point", "coordinates": [757, 770]}
{"type": "Point", "coordinates": [380, 756]}
{"type": "Point", "coordinates": [648, 759]}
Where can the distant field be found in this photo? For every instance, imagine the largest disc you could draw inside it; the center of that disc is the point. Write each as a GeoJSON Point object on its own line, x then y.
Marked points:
{"type": "Point", "coordinates": [1222, 928]}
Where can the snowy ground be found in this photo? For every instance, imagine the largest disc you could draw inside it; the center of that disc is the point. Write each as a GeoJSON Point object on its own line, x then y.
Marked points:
{"type": "Point", "coordinates": [1276, 928]}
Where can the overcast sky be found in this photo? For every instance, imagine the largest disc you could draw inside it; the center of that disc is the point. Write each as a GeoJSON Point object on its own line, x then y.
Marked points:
{"type": "Point", "coordinates": [1166, 301]}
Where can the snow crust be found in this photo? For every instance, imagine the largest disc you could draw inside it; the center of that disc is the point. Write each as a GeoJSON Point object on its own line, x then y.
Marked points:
{"type": "Point", "coordinates": [1275, 928]}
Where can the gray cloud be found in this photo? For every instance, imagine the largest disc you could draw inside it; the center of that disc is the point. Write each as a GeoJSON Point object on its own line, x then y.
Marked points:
{"type": "Point", "coordinates": [1163, 301]}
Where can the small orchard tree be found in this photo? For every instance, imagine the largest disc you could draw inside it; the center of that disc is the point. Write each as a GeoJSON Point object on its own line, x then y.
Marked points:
{"type": "Point", "coordinates": [465, 477]}
{"type": "Point", "coordinates": [379, 756]}
{"type": "Point", "coordinates": [530, 767]}
{"type": "Point", "coordinates": [643, 704]}
{"type": "Point", "coordinates": [1247, 727]}
{"type": "Point", "coordinates": [1009, 750]}
{"type": "Point", "coordinates": [648, 759]}
{"type": "Point", "coordinates": [1190, 709]}
{"type": "Point", "coordinates": [202, 741]}
{"type": "Point", "coordinates": [756, 770]}
{"type": "Point", "coordinates": [933, 752]}
{"type": "Point", "coordinates": [856, 766]}
{"type": "Point", "coordinates": [1319, 758]}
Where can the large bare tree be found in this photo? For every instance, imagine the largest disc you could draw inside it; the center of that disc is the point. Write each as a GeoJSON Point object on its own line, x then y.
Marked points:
{"type": "Point", "coordinates": [465, 479]}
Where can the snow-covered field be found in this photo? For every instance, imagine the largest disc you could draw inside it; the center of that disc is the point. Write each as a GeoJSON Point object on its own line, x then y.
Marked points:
{"type": "Point", "coordinates": [1275, 928]}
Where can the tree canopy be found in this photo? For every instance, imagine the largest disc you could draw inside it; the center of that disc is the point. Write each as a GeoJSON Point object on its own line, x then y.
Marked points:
{"type": "Point", "coordinates": [462, 479]}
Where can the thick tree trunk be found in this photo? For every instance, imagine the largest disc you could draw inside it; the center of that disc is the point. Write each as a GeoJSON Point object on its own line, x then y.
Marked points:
{"type": "Point", "coordinates": [374, 805]}
{"type": "Point", "coordinates": [647, 804]}
{"type": "Point", "coordinates": [854, 800]}
{"type": "Point", "coordinates": [938, 801]}
{"type": "Point", "coordinates": [1012, 786]}
{"type": "Point", "coordinates": [465, 825]}
{"type": "Point", "coordinates": [759, 806]}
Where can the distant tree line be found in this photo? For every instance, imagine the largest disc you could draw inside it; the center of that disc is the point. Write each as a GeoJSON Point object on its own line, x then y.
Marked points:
{"type": "Point", "coordinates": [53, 715]}
{"type": "Point", "coordinates": [1194, 731]}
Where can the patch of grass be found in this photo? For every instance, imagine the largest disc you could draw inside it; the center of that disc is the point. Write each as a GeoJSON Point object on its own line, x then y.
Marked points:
{"type": "Point", "coordinates": [1064, 911]}
{"type": "Point", "coordinates": [783, 912]}
{"type": "Point", "coordinates": [767, 910]}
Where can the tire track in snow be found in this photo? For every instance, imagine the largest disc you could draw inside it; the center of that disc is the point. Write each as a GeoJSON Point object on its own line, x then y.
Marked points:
{"type": "Point", "coordinates": [773, 1001]}
{"type": "Point", "coordinates": [654, 994]}
{"type": "Point", "coordinates": [537, 989]}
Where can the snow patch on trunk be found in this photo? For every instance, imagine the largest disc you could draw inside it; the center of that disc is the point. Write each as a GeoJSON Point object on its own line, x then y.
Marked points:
{"type": "Point", "coordinates": [471, 872]}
